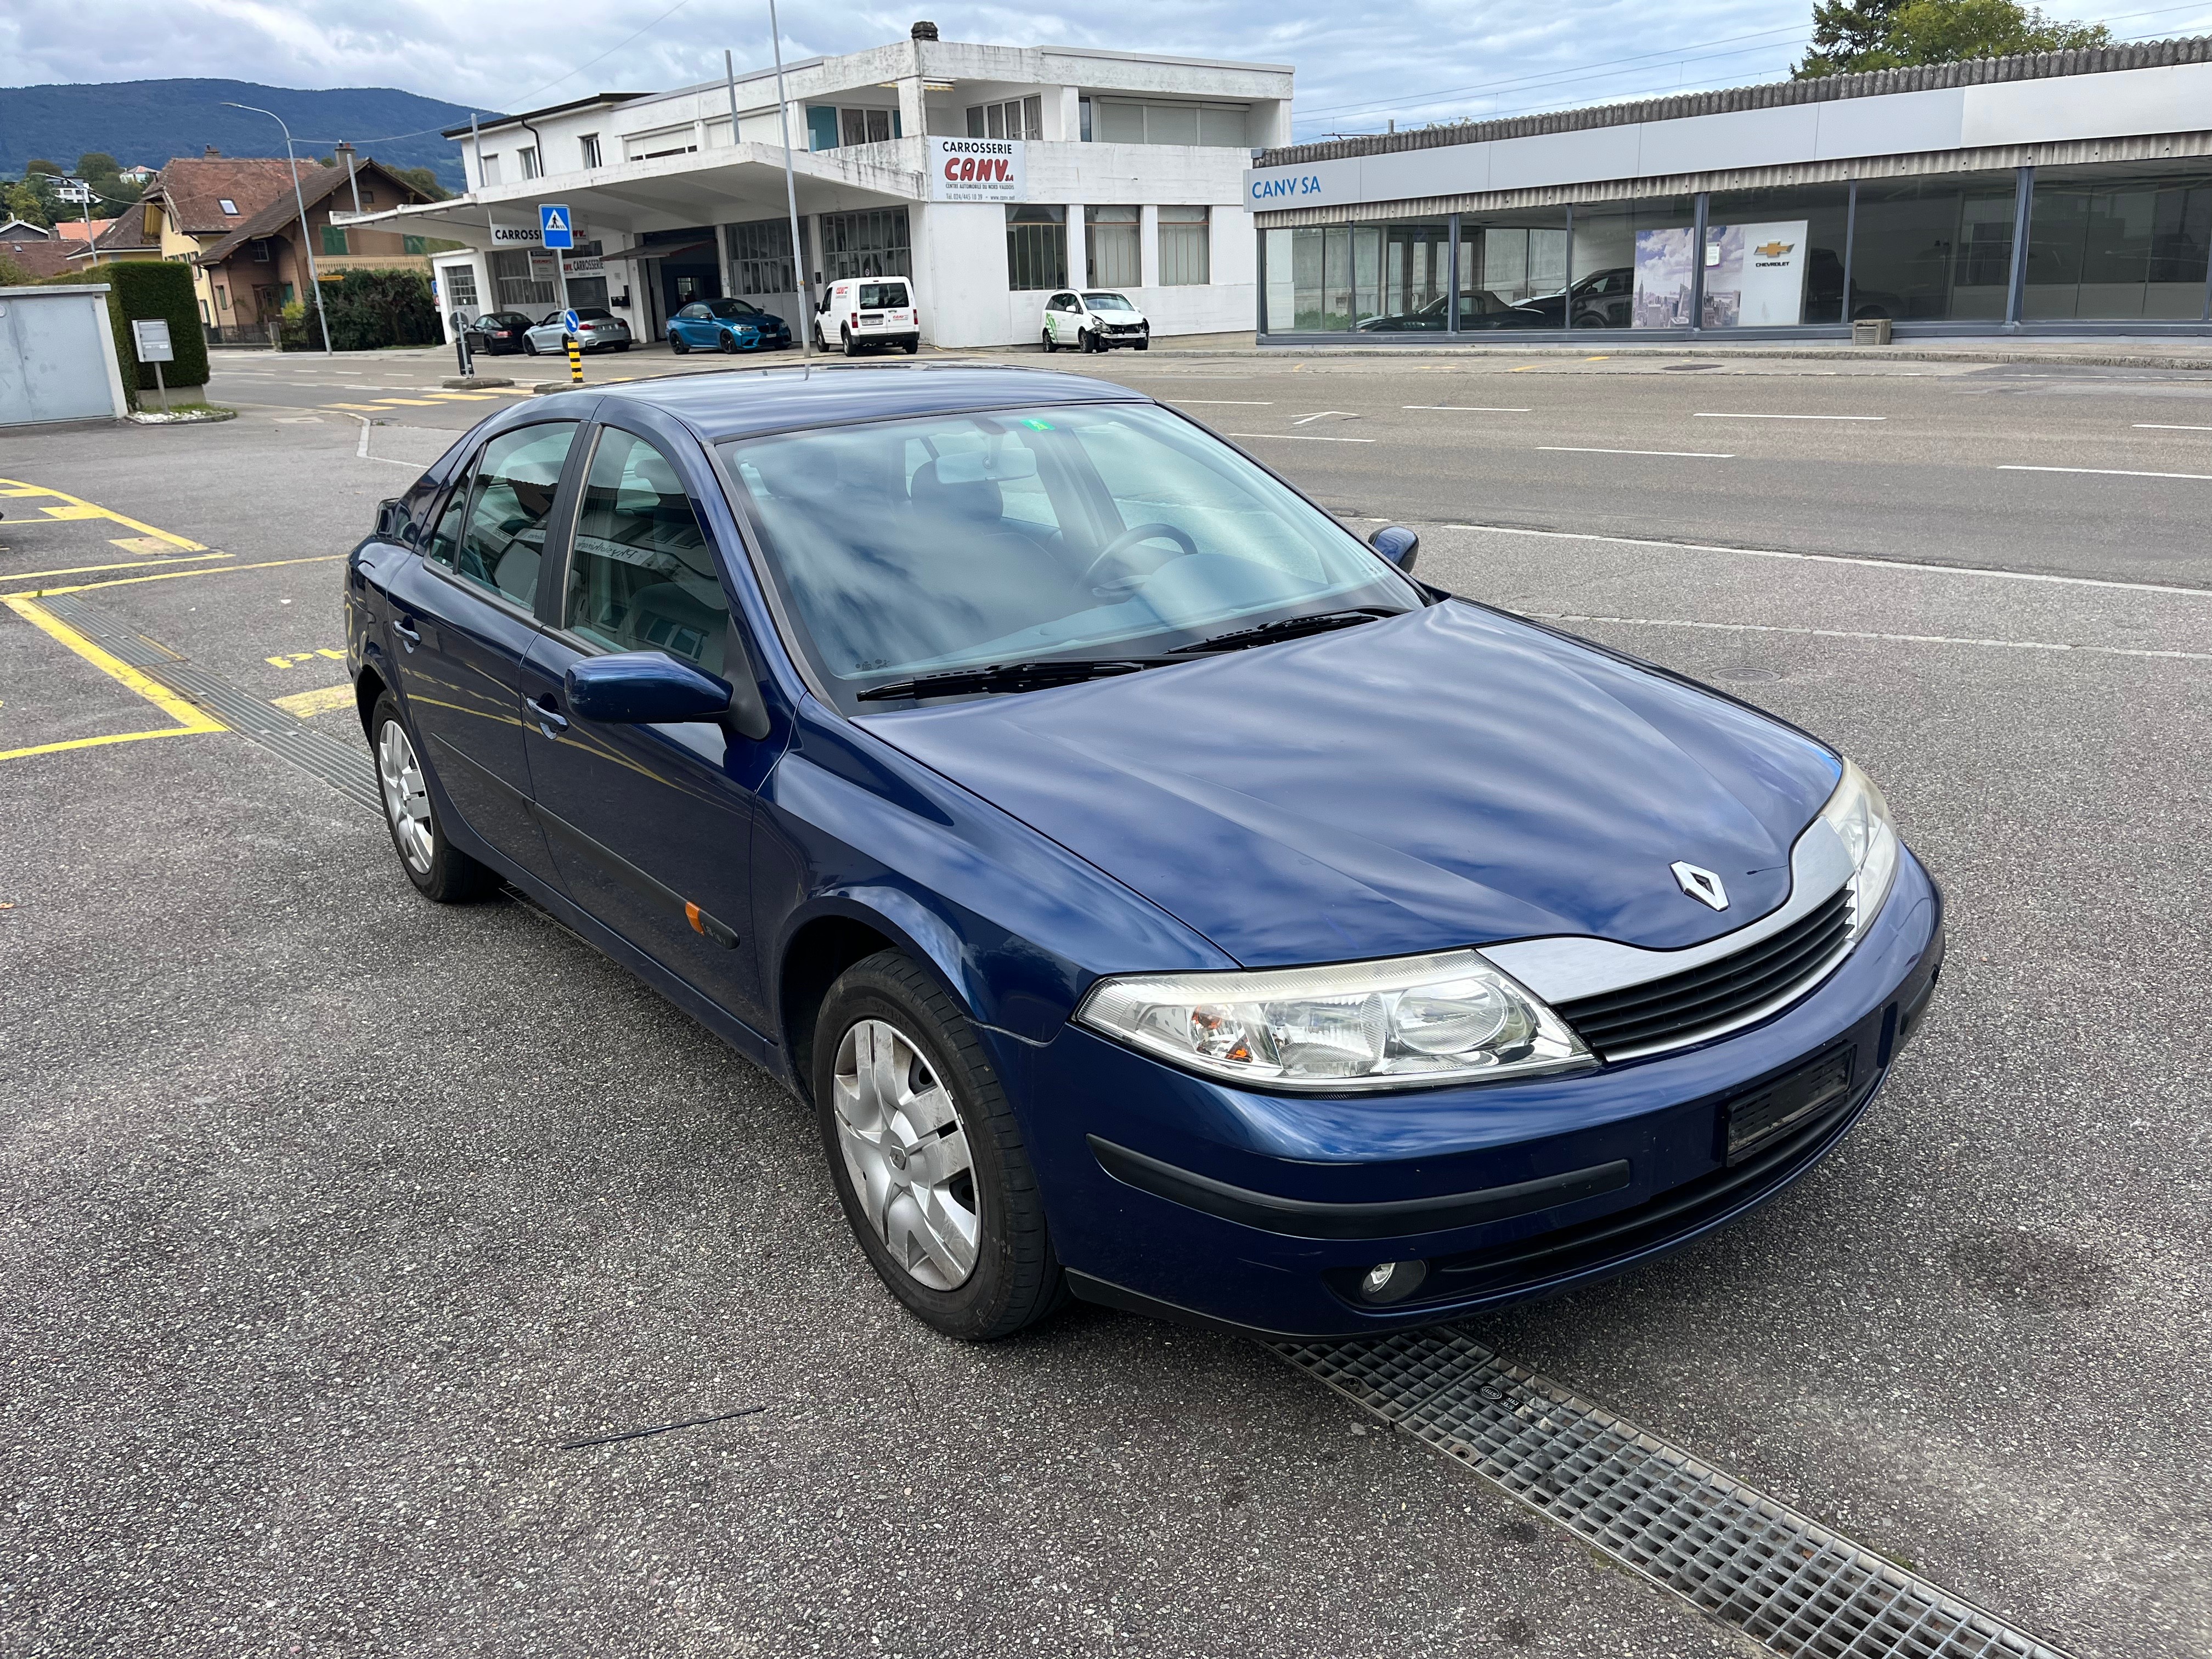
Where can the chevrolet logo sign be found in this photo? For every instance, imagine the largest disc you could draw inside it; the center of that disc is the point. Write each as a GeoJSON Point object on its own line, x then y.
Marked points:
{"type": "Point", "coordinates": [1774, 250]}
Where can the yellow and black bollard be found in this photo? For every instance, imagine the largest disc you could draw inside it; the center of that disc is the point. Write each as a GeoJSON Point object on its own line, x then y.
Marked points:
{"type": "Point", "coordinates": [575, 359]}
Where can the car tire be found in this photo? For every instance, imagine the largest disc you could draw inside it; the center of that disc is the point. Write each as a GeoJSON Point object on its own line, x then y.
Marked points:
{"type": "Point", "coordinates": [442, 873]}
{"type": "Point", "coordinates": [912, 346]}
{"type": "Point", "coordinates": [677, 344]}
{"type": "Point", "coordinates": [851, 345]}
{"type": "Point", "coordinates": [1145, 344]}
{"type": "Point", "coordinates": [620, 345]}
{"type": "Point", "coordinates": [885, 1028]}
{"type": "Point", "coordinates": [529, 346]}
{"type": "Point", "coordinates": [1051, 345]}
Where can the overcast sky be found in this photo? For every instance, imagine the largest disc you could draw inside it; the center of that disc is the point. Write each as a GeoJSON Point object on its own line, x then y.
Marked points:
{"type": "Point", "coordinates": [1359, 66]}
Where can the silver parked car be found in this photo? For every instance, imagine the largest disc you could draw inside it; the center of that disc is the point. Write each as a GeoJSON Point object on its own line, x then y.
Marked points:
{"type": "Point", "coordinates": [602, 331]}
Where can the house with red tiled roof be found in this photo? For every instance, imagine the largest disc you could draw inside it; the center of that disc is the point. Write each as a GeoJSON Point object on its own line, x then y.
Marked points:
{"type": "Point", "coordinates": [255, 270]}
{"type": "Point", "coordinates": [40, 256]}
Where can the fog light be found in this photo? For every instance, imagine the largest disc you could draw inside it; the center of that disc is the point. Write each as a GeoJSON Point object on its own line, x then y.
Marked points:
{"type": "Point", "coordinates": [1392, 1281]}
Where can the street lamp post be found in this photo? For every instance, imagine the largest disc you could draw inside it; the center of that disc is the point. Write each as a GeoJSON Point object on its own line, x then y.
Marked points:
{"type": "Point", "coordinates": [306, 243]}
{"type": "Point", "coordinates": [790, 192]}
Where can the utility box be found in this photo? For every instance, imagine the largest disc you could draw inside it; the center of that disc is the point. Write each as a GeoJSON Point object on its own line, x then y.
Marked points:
{"type": "Point", "coordinates": [58, 358]}
{"type": "Point", "coordinates": [1871, 330]}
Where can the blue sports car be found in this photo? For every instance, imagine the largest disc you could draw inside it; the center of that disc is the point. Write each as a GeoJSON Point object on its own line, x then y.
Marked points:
{"type": "Point", "coordinates": [1160, 897]}
{"type": "Point", "coordinates": [725, 325]}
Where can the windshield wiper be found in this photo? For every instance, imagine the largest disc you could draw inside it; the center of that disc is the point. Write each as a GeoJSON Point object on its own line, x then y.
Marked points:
{"type": "Point", "coordinates": [1285, 628]}
{"type": "Point", "coordinates": [1010, 677]}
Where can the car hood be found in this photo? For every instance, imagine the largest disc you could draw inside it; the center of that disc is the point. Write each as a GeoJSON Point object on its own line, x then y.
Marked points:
{"type": "Point", "coordinates": [1444, 778]}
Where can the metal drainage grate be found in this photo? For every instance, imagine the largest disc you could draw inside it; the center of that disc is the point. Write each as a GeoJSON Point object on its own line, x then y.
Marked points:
{"type": "Point", "coordinates": [1801, 1588]}
{"type": "Point", "coordinates": [345, 767]}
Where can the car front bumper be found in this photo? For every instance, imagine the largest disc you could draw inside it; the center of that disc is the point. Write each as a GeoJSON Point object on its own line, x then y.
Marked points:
{"type": "Point", "coordinates": [1177, 1196]}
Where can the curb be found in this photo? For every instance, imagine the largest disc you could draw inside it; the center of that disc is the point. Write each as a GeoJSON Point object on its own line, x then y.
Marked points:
{"type": "Point", "coordinates": [1841, 353]}
{"type": "Point", "coordinates": [183, 417]}
{"type": "Point", "coordinates": [470, 382]}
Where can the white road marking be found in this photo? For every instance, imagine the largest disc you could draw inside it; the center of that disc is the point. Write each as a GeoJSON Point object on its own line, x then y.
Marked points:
{"type": "Point", "coordinates": [1303, 437]}
{"type": "Point", "coordinates": [1466, 408]}
{"type": "Point", "coordinates": [2160, 426]}
{"type": "Point", "coordinates": [1679, 454]}
{"type": "Point", "coordinates": [1844, 558]}
{"type": "Point", "coordinates": [1714, 415]}
{"type": "Point", "coordinates": [361, 449]}
{"type": "Point", "coordinates": [2110, 473]}
{"type": "Point", "coordinates": [1897, 638]}
{"type": "Point", "coordinates": [1322, 415]}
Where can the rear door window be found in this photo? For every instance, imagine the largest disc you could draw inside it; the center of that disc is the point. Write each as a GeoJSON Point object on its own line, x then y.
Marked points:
{"type": "Point", "coordinates": [510, 504]}
{"type": "Point", "coordinates": [882, 296]}
{"type": "Point", "coordinates": [642, 574]}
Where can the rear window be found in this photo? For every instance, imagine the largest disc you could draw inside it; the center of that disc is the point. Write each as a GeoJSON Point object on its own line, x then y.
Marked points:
{"type": "Point", "coordinates": [881, 296]}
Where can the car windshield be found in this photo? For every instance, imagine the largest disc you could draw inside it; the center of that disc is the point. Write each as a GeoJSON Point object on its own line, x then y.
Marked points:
{"type": "Point", "coordinates": [594, 314]}
{"type": "Point", "coordinates": [903, 547]}
{"type": "Point", "coordinates": [732, 309]}
{"type": "Point", "coordinates": [876, 296]}
{"type": "Point", "coordinates": [1107, 302]}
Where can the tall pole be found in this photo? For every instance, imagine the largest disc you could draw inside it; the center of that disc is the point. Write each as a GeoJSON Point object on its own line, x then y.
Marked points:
{"type": "Point", "coordinates": [790, 190]}
{"type": "Point", "coordinates": [300, 200]}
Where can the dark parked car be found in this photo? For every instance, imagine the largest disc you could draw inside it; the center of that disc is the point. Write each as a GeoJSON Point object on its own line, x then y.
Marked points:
{"type": "Point", "coordinates": [499, 331]}
{"type": "Point", "coordinates": [1479, 309]}
{"type": "Point", "coordinates": [1603, 299]}
{"type": "Point", "coordinates": [1159, 895]}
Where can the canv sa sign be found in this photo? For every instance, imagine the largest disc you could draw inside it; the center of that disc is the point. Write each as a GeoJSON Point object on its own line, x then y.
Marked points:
{"type": "Point", "coordinates": [977, 170]}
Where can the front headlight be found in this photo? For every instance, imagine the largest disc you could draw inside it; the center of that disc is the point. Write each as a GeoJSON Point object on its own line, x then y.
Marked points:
{"type": "Point", "coordinates": [1860, 818]}
{"type": "Point", "coordinates": [1444, 1018]}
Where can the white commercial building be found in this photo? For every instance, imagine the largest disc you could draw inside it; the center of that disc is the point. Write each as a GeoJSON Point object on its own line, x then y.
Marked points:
{"type": "Point", "coordinates": [991, 175]}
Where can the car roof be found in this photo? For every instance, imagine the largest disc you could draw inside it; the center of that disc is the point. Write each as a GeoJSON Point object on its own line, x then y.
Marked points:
{"type": "Point", "coordinates": [743, 403]}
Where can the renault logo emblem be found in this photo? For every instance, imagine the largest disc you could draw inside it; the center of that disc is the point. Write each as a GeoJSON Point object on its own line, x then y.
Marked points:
{"type": "Point", "coordinates": [1701, 886]}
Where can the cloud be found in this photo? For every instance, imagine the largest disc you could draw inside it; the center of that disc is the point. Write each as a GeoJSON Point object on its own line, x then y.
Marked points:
{"type": "Point", "coordinates": [1418, 61]}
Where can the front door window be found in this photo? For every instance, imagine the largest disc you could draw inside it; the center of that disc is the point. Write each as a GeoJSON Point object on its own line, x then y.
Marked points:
{"type": "Point", "coordinates": [642, 576]}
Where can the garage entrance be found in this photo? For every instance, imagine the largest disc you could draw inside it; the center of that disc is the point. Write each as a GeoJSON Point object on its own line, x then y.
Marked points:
{"type": "Point", "coordinates": [689, 268]}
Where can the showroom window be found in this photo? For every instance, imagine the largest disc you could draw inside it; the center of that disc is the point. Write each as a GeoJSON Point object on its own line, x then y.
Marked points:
{"type": "Point", "coordinates": [1628, 263]}
{"type": "Point", "coordinates": [2120, 242]}
{"type": "Point", "coordinates": [1774, 257]}
{"type": "Point", "coordinates": [1513, 269]}
{"type": "Point", "coordinates": [1186, 246]}
{"type": "Point", "coordinates": [1112, 233]}
{"type": "Point", "coordinates": [1334, 278]}
{"type": "Point", "coordinates": [1933, 249]}
{"type": "Point", "coordinates": [872, 243]}
{"type": "Point", "coordinates": [760, 256]}
{"type": "Point", "coordinates": [1036, 246]}
{"type": "Point", "coordinates": [1014, 117]}
{"type": "Point", "coordinates": [519, 283]}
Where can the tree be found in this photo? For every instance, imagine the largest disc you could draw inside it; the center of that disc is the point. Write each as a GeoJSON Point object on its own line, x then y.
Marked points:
{"type": "Point", "coordinates": [32, 200]}
{"type": "Point", "coordinates": [425, 179]}
{"type": "Point", "coordinates": [1851, 37]}
{"type": "Point", "coordinates": [111, 190]}
{"type": "Point", "coordinates": [11, 274]}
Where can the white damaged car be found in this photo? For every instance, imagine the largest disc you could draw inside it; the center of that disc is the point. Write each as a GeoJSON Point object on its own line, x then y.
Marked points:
{"type": "Point", "coordinates": [1094, 319]}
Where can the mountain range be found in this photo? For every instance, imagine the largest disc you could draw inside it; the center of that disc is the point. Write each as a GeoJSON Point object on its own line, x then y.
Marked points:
{"type": "Point", "coordinates": [149, 122]}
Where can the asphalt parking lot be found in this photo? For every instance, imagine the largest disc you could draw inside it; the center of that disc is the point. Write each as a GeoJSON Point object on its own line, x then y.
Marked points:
{"type": "Point", "coordinates": [334, 1222]}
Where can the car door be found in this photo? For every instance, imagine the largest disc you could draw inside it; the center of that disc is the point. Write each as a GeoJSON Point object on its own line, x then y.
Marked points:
{"type": "Point", "coordinates": [650, 826]}
{"type": "Point", "coordinates": [463, 617]}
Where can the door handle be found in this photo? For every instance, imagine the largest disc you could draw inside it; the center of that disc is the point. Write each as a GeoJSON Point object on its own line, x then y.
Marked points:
{"type": "Point", "coordinates": [407, 634]}
{"type": "Point", "coordinates": [550, 720]}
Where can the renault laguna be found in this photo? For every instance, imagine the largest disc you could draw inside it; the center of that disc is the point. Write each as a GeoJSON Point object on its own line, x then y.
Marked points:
{"type": "Point", "coordinates": [1159, 896]}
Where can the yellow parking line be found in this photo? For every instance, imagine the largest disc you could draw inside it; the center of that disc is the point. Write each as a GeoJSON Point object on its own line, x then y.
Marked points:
{"type": "Point", "coordinates": [172, 575]}
{"type": "Point", "coordinates": [189, 717]}
{"type": "Point", "coordinates": [411, 403]}
{"type": "Point", "coordinates": [307, 704]}
{"type": "Point", "coordinates": [126, 564]}
{"type": "Point", "coordinates": [90, 510]}
{"type": "Point", "coordinates": [462, 396]}
{"type": "Point", "coordinates": [116, 736]}
{"type": "Point", "coordinates": [358, 409]}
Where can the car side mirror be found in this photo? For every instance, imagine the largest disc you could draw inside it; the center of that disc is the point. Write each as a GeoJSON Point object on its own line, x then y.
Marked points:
{"type": "Point", "coordinates": [391, 519]}
{"type": "Point", "coordinates": [1398, 545]}
{"type": "Point", "coordinates": [644, 688]}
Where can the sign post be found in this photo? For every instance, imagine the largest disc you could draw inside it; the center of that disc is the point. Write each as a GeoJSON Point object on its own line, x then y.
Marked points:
{"type": "Point", "coordinates": [557, 228]}
{"type": "Point", "coordinates": [149, 338]}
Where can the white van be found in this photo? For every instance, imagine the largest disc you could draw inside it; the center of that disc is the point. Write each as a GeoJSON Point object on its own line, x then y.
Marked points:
{"type": "Point", "coordinates": [866, 312]}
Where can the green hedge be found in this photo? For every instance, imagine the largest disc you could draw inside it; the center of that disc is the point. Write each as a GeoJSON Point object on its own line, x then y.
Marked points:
{"type": "Point", "coordinates": [152, 288]}
{"type": "Point", "coordinates": [368, 309]}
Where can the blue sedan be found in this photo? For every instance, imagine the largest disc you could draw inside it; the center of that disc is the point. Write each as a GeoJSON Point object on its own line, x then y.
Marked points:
{"type": "Point", "coordinates": [725, 325]}
{"type": "Point", "coordinates": [1159, 896]}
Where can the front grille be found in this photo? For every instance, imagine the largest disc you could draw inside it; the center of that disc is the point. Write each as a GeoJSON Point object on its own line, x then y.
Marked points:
{"type": "Point", "coordinates": [1662, 1013]}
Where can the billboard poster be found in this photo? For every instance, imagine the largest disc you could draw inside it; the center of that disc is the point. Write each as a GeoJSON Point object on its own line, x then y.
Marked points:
{"type": "Point", "coordinates": [1755, 274]}
{"type": "Point", "coordinates": [1662, 279]}
{"type": "Point", "coordinates": [978, 170]}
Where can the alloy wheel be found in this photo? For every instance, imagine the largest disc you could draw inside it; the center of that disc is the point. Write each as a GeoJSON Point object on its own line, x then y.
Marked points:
{"type": "Point", "coordinates": [407, 801]}
{"type": "Point", "coordinates": [906, 1152]}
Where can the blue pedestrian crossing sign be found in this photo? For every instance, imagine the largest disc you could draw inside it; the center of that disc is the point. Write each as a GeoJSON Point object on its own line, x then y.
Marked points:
{"type": "Point", "coordinates": [555, 227]}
